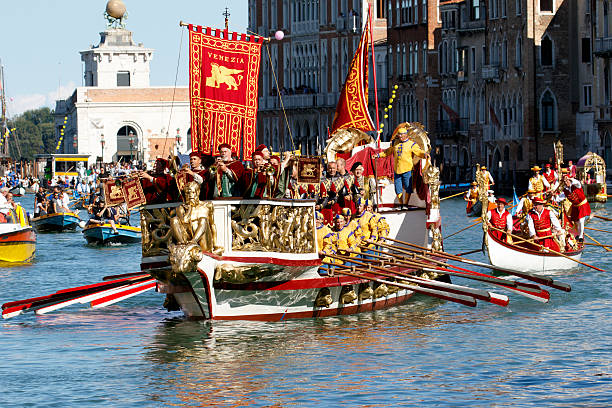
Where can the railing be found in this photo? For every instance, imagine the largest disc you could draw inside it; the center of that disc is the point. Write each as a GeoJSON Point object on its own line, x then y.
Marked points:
{"type": "Point", "coordinates": [451, 126]}
{"type": "Point", "coordinates": [489, 73]}
{"type": "Point", "coordinates": [603, 46]}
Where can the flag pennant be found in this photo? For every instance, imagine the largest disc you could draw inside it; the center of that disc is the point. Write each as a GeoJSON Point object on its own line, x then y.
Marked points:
{"type": "Point", "coordinates": [352, 109]}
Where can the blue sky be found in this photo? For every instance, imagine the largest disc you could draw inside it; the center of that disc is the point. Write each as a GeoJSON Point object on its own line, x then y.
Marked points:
{"type": "Point", "coordinates": [40, 41]}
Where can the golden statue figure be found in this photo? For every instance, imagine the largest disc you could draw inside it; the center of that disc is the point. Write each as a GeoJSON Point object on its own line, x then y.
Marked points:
{"type": "Point", "coordinates": [194, 221]}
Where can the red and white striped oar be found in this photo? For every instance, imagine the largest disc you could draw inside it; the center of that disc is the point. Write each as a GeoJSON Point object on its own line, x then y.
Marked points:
{"type": "Point", "coordinates": [123, 293]}
{"type": "Point", "coordinates": [15, 308]}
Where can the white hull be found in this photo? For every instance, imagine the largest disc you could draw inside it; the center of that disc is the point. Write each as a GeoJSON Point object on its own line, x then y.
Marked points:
{"type": "Point", "coordinates": [524, 260]}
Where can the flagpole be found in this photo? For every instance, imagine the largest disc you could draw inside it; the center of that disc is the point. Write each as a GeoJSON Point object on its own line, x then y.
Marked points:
{"type": "Point", "coordinates": [374, 72]}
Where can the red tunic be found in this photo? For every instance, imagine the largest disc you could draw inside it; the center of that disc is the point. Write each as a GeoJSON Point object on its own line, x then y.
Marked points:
{"type": "Point", "coordinates": [161, 190]}
{"type": "Point", "coordinates": [551, 177]}
{"type": "Point", "coordinates": [543, 228]}
{"type": "Point", "coordinates": [499, 221]}
{"type": "Point", "coordinates": [580, 205]}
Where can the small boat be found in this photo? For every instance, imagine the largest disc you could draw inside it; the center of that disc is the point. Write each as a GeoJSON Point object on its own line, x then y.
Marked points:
{"type": "Point", "coordinates": [100, 234]}
{"type": "Point", "coordinates": [17, 238]}
{"type": "Point", "coordinates": [592, 174]}
{"type": "Point", "coordinates": [56, 222]}
{"type": "Point", "coordinates": [473, 210]}
{"type": "Point", "coordinates": [17, 191]}
{"type": "Point", "coordinates": [520, 258]}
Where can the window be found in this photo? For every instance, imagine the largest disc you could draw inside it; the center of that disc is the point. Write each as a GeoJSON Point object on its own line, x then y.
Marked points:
{"type": "Point", "coordinates": [481, 107]}
{"type": "Point", "coordinates": [546, 6]}
{"type": "Point", "coordinates": [605, 20]}
{"type": "Point", "coordinates": [547, 111]}
{"type": "Point", "coordinates": [123, 78]}
{"type": "Point", "coordinates": [506, 153]}
{"type": "Point", "coordinates": [425, 113]}
{"type": "Point", "coordinates": [503, 8]}
{"type": "Point", "coordinates": [424, 57]}
{"type": "Point", "coordinates": [473, 59]}
{"type": "Point", "coordinates": [416, 58]}
{"type": "Point", "coordinates": [518, 53]}
{"type": "Point", "coordinates": [546, 51]}
{"type": "Point", "coordinates": [390, 62]}
{"type": "Point", "coordinates": [505, 54]}
{"type": "Point", "coordinates": [519, 7]}
{"type": "Point", "coordinates": [483, 56]}
{"type": "Point", "coordinates": [586, 95]}
{"type": "Point", "coordinates": [424, 11]}
{"type": "Point", "coordinates": [586, 50]}
{"type": "Point", "coordinates": [475, 9]}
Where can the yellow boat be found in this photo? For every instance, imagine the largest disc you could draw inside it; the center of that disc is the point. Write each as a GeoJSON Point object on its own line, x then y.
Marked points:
{"type": "Point", "coordinates": [17, 237]}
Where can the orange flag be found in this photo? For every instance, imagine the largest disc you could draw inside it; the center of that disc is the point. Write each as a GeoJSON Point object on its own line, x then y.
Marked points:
{"type": "Point", "coordinates": [352, 108]}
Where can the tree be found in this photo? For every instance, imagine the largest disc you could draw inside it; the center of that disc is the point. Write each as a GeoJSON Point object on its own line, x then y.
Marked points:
{"type": "Point", "coordinates": [34, 134]}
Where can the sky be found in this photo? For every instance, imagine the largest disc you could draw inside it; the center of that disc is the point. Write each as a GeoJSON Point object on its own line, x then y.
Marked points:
{"type": "Point", "coordinates": [40, 42]}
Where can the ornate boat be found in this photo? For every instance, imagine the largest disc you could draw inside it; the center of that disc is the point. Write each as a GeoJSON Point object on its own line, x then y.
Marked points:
{"type": "Point", "coordinates": [58, 222]}
{"type": "Point", "coordinates": [103, 234]}
{"type": "Point", "coordinates": [522, 259]}
{"type": "Point", "coordinates": [592, 174]}
{"type": "Point", "coordinates": [17, 238]}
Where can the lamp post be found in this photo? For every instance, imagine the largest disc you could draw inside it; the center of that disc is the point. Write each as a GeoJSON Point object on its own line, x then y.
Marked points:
{"type": "Point", "coordinates": [102, 142]}
{"type": "Point", "coordinates": [178, 140]}
{"type": "Point", "coordinates": [131, 135]}
{"type": "Point", "coordinates": [74, 143]}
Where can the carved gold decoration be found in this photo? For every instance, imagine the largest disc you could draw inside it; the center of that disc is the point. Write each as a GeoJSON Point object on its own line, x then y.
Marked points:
{"type": "Point", "coordinates": [184, 258]}
{"type": "Point", "coordinates": [156, 232]}
{"type": "Point", "coordinates": [431, 176]}
{"type": "Point", "coordinates": [381, 291]}
{"type": "Point", "coordinates": [194, 221]}
{"type": "Point", "coordinates": [366, 292]}
{"type": "Point", "coordinates": [393, 289]}
{"type": "Point", "coordinates": [244, 273]}
{"type": "Point", "coordinates": [483, 197]}
{"type": "Point", "coordinates": [273, 228]}
{"type": "Point", "coordinates": [344, 140]}
{"type": "Point", "coordinates": [347, 295]}
{"type": "Point", "coordinates": [323, 298]}
{"type": "Point", "coordinates": [559, 159]}
{"type": "Point", "coordinates": [436, 238]}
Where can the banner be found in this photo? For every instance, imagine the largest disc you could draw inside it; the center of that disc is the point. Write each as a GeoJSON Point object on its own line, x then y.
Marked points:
{"type": "Point", "coordinates": [223, 80]}
{"type": "Point", "coordinates": [352, 109]}
{"type": "Point", "coordinates": [113, 194]}
{"type": "Point", "coordinates": [133, 193]}
{"type": "Point", "coordinates": [309, 170]}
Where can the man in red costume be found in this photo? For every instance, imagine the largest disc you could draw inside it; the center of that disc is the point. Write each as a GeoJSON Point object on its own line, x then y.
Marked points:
{"type": "Point", "coordinates": [501, 219]}
{"type": "Point", "coordinates": [196, 172]}
{"type": "Point", "coordinates": [229, 173]}
{"type": "Point", "coordinates": [580, 209]}
{"type": "Point", "coordinates": [551, 176]}
{"type": "Point", "coordinates": [542, 224]}
{"type": "Point", "coordinates": [257, 180]}
{"type": "Point", "coordinates": [158, 187]}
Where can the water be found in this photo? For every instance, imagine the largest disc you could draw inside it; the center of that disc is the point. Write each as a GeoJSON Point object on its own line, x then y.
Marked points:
{"type": "Point", "coordinates": [426, 353]}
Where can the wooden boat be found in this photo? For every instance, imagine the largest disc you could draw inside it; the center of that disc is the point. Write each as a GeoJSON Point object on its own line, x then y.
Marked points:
{"type": "Point", "coordinates": [522, 259]}
{"type": "Point", "coordinates": [591, 171]}
{"type": "Point", "coordinates": [58, 222]}
{"type": "Point", "coordinates": [17, 238]}
{"type": "Point", "coordinates": [103, 233]}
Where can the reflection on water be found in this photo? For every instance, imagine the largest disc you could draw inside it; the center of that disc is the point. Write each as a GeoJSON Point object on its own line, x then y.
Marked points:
{"type": "Point", "coordinates": [427, 352]}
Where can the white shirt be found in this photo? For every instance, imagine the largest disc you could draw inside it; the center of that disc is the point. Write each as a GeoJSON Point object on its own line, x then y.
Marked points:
{"type": "Point", "coordinates": [5, 207]}
{"type": "Point", "coordinates": [575, 183]}
{"type": "Point", "coordinates": [65, 200]}
{"type": "Point", "coordinates": [521, 204]}
{"type": "Point", "coordinates": [554, 221]}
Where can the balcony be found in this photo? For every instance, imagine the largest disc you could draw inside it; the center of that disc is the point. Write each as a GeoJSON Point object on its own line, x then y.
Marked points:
{"type": "Point", "coordinates": [490, 73]}
{"type": "Point", "coordinates": [451, 126]}
{"type": "Point", "coordinates": [603, 47]}
{"type": "Point", "coordinates": [461, 76]}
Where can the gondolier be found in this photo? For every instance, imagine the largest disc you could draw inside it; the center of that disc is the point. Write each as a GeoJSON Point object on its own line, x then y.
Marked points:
{"type": "Point", "coordinates": [542, 224]}
{"type": "Point", "coordinates": [580, 209]}
{"type": "Point", "coordinates": [487, 177]}
{"type": "Point", "coordinates": [551, 177]}
{"type": "Point", "coordinates": [501, 219]}
{"type": "Point", "coordinates": [537, 182]}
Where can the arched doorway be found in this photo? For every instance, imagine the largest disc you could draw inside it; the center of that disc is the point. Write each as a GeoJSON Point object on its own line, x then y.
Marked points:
{"type": "Point", "coordinates": [495, 164]}
{"type": "Point", "coordinates": [127, 144]}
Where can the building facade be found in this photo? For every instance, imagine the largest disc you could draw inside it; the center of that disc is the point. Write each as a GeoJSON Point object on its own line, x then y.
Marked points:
{"type": "Point", "coordinates": [309, 65]}
{"type": "Point", "coordinates": [117, 115]}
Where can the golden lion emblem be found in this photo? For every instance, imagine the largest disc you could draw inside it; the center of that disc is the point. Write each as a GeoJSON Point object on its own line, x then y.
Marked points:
{"type": "Point", "coordinates": [223, 75]}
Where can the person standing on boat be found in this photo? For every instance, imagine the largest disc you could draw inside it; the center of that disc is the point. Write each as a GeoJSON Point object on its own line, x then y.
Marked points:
{"type": "Point", "coordinates": [501, 219]}
{"type": "Point", "coordinates": [363, 187]}
{"type": "Point", "coordinates": [229, 173]}
{"type": "Point", "coordinates": [551, 176]}
{"type": "Point", "coordinates": [333, 183]}
{"type": "Point", "coordinates": [403, 151]}
{"type": "Point", "coordinates": [196, 172]}
{"type": "Point", "coordinates": [572, 169]}
{"type": "Point", "coordinates": [157, 186]}
{"type": "Point", "coordinates": [542, 224]}
{"type": "Point", "coordinates": [471, 196]}
{"type": "Point", "coordinates": [525, 204]}
{"type": "Point", "coordinates": [580, 209]}
{"type": "Point", "coordinates": [538, 183]}
{"type": "Point", "coordinates": [4, 205]}
{"type": "Point", "coordinates": [487, 177]}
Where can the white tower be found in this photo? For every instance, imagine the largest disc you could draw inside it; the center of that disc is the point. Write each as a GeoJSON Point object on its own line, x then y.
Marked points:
{"type": "Point", "coordinates": [117, 61]}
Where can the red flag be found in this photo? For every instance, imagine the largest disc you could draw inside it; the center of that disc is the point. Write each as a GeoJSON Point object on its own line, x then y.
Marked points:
{"type": "Point", "coordinates": [494, 118]}
{"type": "Point", "coordinates": [352, 108]}
{"type": "Point", "coordinates": [223, 78]}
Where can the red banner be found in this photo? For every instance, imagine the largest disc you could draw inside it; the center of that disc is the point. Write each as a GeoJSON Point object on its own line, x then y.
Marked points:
{"type": "Point", "coordinates": [352, 109]}
{"type": "Point", "coordinates": [133, 193]}
{"type": "Point", "coordinates": [113, 194]}
{"type": "Point", "coordinates": [223, 79]}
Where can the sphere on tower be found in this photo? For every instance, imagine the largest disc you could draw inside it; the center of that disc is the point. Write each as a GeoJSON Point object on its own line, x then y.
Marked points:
{"type": "Point", "coordinates": [115, 9]}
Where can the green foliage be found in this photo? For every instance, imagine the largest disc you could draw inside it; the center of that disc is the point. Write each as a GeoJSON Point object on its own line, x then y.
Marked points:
{"type": "Point", "coordinates": [35, 134]}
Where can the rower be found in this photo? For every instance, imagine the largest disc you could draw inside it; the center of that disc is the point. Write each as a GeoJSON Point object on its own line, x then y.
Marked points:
{"type": "Point", "coordinates": [471, 196]}
{"type": "Point", "coordinates": [580, 209]}
{"type": "Point", "coordinates": [501, 219]}
{"type": "Point", "coordinates": [403, 150]}
{"type": "Point", "coordinates": [542, 223]}
{"type": "Point", "coordinates": [525, 204]}
{"type": "Point", "coordinates": [538, 183]}
{"type": "Point", "coordinates": [343, 238]}
{"type": "Point", "coordinates": [324, 234]}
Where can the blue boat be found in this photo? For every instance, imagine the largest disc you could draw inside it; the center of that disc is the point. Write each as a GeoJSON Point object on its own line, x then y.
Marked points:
{"type": "Point", "coordinates": [58, 222]}
{"type": "Point", "coordinates": [100, 234]}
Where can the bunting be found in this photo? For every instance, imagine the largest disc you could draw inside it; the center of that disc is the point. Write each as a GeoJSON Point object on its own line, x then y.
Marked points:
{"type": "Point", "coordinates": [352, 108]}
{"type": "Point", "coordinates": [223, 79]}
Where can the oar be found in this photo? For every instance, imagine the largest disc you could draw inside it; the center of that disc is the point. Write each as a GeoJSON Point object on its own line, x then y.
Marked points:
{"type": "Point", "coordinates": [463, 229]}
{"type": "Point", "coordinates": [602, 218]}
{"type": "Point", "coordinates": [454, 195]}
{"type": "Point", "coordinates": [473, 251]}
{"type": "Point", "coordinates": [597, 229]}
{"type": "Point", "coordinates": [556, 252]}
{"type": "Point", "coordinates": [494, 298]}
{"type": "Point", "coordinates": [597, 245]}
{"type": "Point", "coordinates": [544, 280]}
{"type": "Point", "coordinates": [597, 242]}
{"type": "Point", "coordinates": [524, 289]}
{"type": "Point", "coordinates": [464, 300]}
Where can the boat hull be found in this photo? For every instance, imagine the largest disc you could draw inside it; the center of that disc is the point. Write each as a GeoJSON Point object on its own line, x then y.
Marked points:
{"type": "Point", "coordinates": [475, 210]}
{"type": "Point", "coordinates": [56, 222]}
{"type": "Point", "coordinates": [103, 234]}
{"type": "Point", "coordinates": [504, 255]}
{"type": "Point", "coordinates": [18, 245]}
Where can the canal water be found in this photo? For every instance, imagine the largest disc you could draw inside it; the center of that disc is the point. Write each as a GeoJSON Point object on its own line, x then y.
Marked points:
{"type": "Point", "coordinates": [426, 353]}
